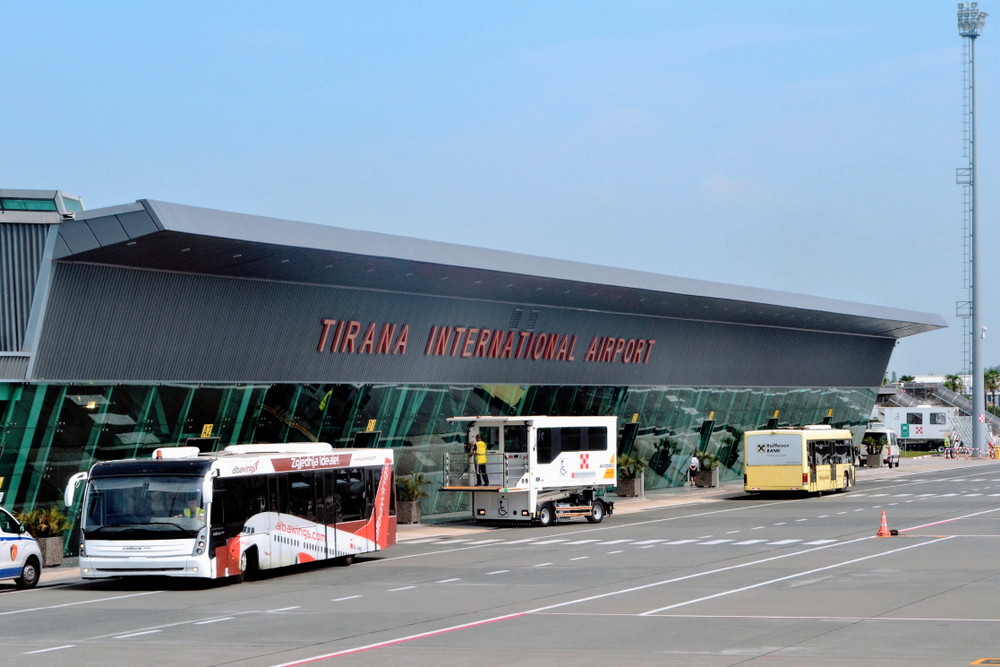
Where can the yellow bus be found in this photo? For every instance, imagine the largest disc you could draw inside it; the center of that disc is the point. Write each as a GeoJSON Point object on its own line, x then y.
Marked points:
{"type": "Point", "coordinates": [813, 458]}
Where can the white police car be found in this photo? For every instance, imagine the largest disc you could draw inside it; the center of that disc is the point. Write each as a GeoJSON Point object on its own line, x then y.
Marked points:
{"type": "Point", "coordinates": [20, 557]}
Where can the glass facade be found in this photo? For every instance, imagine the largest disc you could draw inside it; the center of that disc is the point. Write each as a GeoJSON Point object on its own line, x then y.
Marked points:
{"type": "Point", "coordinates": [52, 431]}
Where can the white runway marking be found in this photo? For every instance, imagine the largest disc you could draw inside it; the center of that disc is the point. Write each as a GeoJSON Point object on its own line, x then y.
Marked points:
{"type": "Point", "coordinates": [213, 620]}
{"type": "Point", "coordinates": [650, 541]}
{"type": "Point", "coordinates": [73, 604]}
{"type": "Point", "coordinates": [821, 542]}
{"type": "Point", "coordinates": [620, 551]}
{"type": "Point", "coordinates": [275, 611]}
{"type": "Point", "coordinates": [589, 598]}
{"type": "Point", "coordinates": [448, 581]}
{"type": "Point", "coordinates": [681, 542]}
{"type": "Point", "coordinates": [581, 542]}
{"type": "Point", "coordinates": [783, 542]}
{"type": "Point", "coordinates": [749, 542]}
{"type": "Point", "coordinates": [609, 542]}
{"type": "Point", "coordinates": [404, 588]}
{"type": "Point", "coordinates": [715, 542]}
{"type": "Point", "coordinates": [580, 558]}
{"type": "Point", "coordinates": [137, 634]}
{"type": "Point", "coordinates": [349, 597]}
{"type": "Point", "coordinates": [791, 576]}
{"type": "Point", "coordinates": [46, 650]}
{"type": "Point", "coordinates": [543, 564]}
{"type": "Point", "coordinates": [502, 571]}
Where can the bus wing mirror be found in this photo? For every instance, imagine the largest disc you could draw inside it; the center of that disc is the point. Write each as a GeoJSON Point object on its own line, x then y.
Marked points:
{"type": "Point", "coordinates": [70, 491]}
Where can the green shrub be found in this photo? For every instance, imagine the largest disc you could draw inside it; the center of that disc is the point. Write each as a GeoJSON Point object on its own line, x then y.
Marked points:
{"type": "Point", "coordinates": [629, 467]}
{"type": "Point", "coordinates": [411, 487]}
{"type": "Point", "coordinates": [707, 461]}
{"type": "Point", "coordinates": [41, 523]}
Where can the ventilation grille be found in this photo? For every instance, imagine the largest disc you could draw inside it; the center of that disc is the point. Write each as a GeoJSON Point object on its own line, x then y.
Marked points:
{"type": "Point", "coordinates": [515, 318]}
{"type": "Point", "coordinates": [532, 319]}
{"type": "Point", "coordinates": [21, 250]}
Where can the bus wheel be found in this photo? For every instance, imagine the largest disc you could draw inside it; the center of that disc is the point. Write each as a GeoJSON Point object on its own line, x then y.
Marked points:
{"type": "Point", "coordinates": [546, 515]}
{"type": "Point", "coordinates": [345, 560]}
{"type": "Point", "coordinates": [249, 563]}
{"type": "Point", "coordinates": [596, 512]}
{"type": "Point", "coordinates": [29, 574]}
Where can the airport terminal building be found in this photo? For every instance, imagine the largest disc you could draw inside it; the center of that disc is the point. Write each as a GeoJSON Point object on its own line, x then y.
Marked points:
{"type": "Point", "coordinates": [130, 327]}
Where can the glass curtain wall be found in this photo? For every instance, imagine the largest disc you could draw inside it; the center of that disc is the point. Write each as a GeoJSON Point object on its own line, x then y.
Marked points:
{"type": "Point", "coordinates": [52, 431]}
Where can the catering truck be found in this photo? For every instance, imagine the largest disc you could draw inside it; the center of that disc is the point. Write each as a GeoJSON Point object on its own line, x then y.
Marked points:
{"type": "Point", "coordinates": [538, 469]}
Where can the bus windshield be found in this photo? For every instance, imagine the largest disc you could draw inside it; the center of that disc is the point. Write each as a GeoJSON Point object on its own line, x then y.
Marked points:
{"type": "Point", "coordinates": [144, 507]}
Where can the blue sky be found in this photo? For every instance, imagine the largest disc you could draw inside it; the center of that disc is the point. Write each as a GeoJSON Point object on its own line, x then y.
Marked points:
{"type": "Point", "coordinates": [800, 146]}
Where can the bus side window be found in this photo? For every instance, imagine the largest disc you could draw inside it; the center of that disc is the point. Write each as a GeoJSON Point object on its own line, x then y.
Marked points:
{"type": "Point", "coordinates": [277, 493]}
{"type": "Point", "coordinates": [350, 489]}
{"type": "Point", "coordinates": [392, 493]}
{"type": "Point", "coordinates": [256, 496]}
{"type": "Point", "coordinates": [597, 438]}
{"type": "Point", "coordinates": [515, 439]}
{"type": "Point", "coordinates": [824, 455]}
{"type": "Point", "coordinates": [331, 501]}
{"type": "Point", "coordinates": [372, 478]}
{"type": "Point", "coordinates": [301, 495]}
{"type": "Point", "coordinates": [235, 502]}
{"type": "Point", "coordinates": [548, 444]}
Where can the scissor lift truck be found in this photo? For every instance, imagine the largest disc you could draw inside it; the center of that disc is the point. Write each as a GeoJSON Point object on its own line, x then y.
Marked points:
{"type": "Point", "coordinates": [538, 469]}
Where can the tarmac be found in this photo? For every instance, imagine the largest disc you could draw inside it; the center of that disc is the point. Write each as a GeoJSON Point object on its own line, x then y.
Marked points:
{"type": "Point", "coordinates": [678, 577]}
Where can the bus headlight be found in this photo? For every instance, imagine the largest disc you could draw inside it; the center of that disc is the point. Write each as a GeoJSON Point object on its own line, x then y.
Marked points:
{"type": "Point", "coordinates": [199, 543]}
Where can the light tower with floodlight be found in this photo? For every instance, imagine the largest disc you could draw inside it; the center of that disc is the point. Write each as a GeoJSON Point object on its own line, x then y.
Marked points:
{"type": "Point", "coordinates": [970, 26]}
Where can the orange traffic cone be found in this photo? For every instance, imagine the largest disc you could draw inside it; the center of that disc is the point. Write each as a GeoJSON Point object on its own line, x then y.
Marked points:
{"type": "Point", "coordinates": [883, 530]}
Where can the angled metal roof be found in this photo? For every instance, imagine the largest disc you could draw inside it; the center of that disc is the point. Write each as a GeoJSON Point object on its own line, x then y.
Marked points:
{"type": "Point", "coordinates": [174, 237]}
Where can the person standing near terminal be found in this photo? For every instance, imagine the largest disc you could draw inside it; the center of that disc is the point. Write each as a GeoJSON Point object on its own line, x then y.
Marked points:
{"type": "Point", "coordinates": [481, 477]}
{"type": "Point", "coordinates": [692, 469]}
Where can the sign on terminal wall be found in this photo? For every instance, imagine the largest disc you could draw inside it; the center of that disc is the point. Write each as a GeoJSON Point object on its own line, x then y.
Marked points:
{"type": "Point", "coordinates": [389, 338]}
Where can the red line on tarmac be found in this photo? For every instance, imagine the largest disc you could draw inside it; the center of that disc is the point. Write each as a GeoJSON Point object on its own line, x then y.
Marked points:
{"type": "Point", "coordinates": [392, 642]}
{"type": "Point", "coordinates": [957, 518]}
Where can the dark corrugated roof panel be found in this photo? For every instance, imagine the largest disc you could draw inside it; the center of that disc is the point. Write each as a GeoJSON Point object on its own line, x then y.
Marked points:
{"type": "Point", "coordinates": [165, 236]}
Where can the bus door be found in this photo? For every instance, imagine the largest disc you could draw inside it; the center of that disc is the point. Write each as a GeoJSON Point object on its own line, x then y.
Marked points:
{"type": "Point", "coordinates": [319, 513]}
{"type": "Point", "coordinates": [282, 552]}
{"type": "Point", "coordinates": [372, 478]}
{"type": "Point", "coordinates": [349, 498]}
{"type": "Point", "coordinates": [812, 461]}
{"type": "Point", "coordinates": [328, 502]}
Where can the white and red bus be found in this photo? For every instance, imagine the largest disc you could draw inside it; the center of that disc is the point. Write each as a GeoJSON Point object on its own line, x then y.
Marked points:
{"type": "Point", "coordinates": [225, 514]}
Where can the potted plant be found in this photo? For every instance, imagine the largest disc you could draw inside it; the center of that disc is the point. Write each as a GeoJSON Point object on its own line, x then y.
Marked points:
{"type": "Point", "coordinates": [630, 475]}
{"type": "Point", "coordinates": [409, 491]}
{"type": "Point", "coordinates": [872, 451]}
{"type": "Point", "coordinates": [708, 470]}
{"type": "Point", "coordinates": [47, 527]}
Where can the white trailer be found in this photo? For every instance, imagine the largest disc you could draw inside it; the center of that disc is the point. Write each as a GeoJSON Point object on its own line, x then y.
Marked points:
{"type": "Point", "coordinates": [539, 469]}
{"type": "Point", "coordinates": [921, 423]}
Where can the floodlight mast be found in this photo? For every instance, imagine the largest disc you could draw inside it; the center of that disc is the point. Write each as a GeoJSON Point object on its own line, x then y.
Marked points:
{"type": "Point", "coordinates": [970, 26]}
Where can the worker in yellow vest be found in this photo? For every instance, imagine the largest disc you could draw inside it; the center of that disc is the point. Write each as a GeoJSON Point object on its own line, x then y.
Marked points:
{"type": "Point", "coordinates": [192, 511]}
{"type": "Point", "coordinates": [481, 477]}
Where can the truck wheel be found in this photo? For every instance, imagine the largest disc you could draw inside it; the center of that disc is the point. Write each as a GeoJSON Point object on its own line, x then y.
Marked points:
{"type": "Point", "coordinates": [546, 515]}
{"type": "Point", "coordinates": [29, 574]}
{"type": "Point", "coordinates": [596, 512]}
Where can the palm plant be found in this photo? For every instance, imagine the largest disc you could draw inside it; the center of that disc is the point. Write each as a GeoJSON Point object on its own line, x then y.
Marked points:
{"type": "Point", "coordinates": [411, 487]}
{"type": "Point", "coordinates": [954, 382]}
{"type": "Point", "coordinates": [42, 523]}
{"type": "Point", "coordinates": [991, 380]}
{"type": "Point", "coordinates": [629, 467]}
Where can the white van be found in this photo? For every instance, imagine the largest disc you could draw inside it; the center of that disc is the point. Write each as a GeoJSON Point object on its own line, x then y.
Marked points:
{"type": "Point", "coordinates": [890, 446]}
